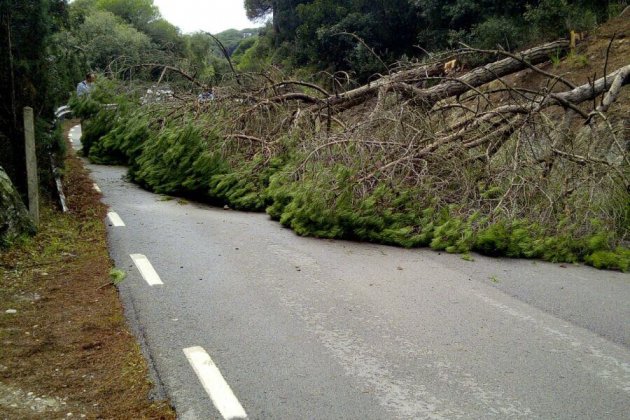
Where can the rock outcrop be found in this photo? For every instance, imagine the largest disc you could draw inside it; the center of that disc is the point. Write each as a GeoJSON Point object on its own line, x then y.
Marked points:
{"type": "Point", "coordinates": [14, 217]}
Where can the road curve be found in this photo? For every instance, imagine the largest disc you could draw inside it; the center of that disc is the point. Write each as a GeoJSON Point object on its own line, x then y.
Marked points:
{"type": "Point", "coordinates": [316, 329]}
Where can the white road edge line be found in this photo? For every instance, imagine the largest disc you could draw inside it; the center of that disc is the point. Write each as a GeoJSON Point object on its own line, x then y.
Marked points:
{"type": "Point", "coordinates": [146, 270]}
{"type": "Point", "coordinates": [96, 188]}
{"type": "Point", "coordinates": [115, 219]}
{"type": "Point", "coordinates": [217, 388]}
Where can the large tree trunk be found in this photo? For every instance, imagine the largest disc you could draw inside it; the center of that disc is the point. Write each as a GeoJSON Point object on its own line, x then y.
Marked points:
{"type": "Point", "coordinates": [14, 218]}
{"type": "Point", "coordinates": [406, 81]}
{"type": "Point", "coordinates": [481, 75]}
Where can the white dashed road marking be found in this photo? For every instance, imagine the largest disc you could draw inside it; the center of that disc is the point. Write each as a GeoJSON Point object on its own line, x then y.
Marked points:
{"type": "Point", "coordinates": [146, 269]}
{"type": "Point", "coordinates": [115, 219]}
{"type": "Point", "coordinates": [217, 388]}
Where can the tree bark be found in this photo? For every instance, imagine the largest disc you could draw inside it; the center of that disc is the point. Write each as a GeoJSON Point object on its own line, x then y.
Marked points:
{"type": "Point", "coordinates": [481, 75]}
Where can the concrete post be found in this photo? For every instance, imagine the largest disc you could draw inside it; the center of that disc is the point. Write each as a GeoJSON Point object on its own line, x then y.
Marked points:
{"type": "Point", "coordinates": [31, 165]}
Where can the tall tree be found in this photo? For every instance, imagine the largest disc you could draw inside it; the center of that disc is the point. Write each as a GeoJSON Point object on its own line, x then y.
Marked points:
{"type": "Point", "coordinates": [166, 36]}
{"type": "Point", "coordinates": [24, 72]}
{"type": "Point", "coordinates": [258, 9]}
{"type": "Point", "coordinates": [139, 13]}
{"type": "Point", "coordinates": [283, 12]}
{"type": "Point", "coordinates": [104, 38]}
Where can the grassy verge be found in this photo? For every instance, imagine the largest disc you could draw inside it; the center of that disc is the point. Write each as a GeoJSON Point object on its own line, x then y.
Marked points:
{"type": "Point", "coordinates": [65, 344]}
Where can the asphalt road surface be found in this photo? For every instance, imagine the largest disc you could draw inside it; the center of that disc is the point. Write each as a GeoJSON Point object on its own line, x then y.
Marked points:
{"type": "Point", "coordinates": [242, 318]}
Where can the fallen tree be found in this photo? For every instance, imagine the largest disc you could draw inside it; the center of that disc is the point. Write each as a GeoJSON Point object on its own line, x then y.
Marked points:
{"type": "Point", "coordinates": [460, 161]}
{"type": "Point", "coordinates": [408, 82]}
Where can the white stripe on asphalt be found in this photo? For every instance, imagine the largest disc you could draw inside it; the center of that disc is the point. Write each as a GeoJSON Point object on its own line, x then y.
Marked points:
{"type": "Point", "coordinates": [219, 391]}
{"type": "Point", "coordinates": [115, 219]}
{"type": "Point", "coordinates": [146, 269]}
{"type": "Point", "coordinates": [96, 188]}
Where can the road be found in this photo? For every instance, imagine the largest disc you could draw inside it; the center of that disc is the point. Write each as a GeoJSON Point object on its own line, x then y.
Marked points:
{"type": "Point", "coordinates": [241, 317]}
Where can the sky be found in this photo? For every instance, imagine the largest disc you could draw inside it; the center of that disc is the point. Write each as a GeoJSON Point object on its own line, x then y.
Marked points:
{"type": "Point", "coordinates": [205, 15]}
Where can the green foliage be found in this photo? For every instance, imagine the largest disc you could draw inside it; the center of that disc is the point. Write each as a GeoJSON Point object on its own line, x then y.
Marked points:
{"type": "Point", "coordinates": [580, 19]}
{"type": "Point", "coordinates": [98, 119]}
{"type": "Point", "coordinates": [258, 9]}
{"type": "Point", "coordinates": [205, 55]}
{"type": "Point", "coordinates": [514, 239]}
{"type": "Point", "coordinates": [507, 32]}
{"type": "Point", "coordinates": [387, 27]}
{"type": "Point", "coordinates": [245, 187]}
{"type": "Point", "coordinates": [242, 49]}
{"type": "Point", "coordinates": [557, 17]}
{"type": "Point", "coordinates": [84, 107]}
{"type": "Point", "coordinates": [199, 47]}
{"type": "Point", "coordinates": [166, 36]}
{"type": "Point", "coordinates": [189, 155]}
{"type": "Point", "coordinates": [138, 13]}
{"type": "Point", "coordinates": [232, 40]}
{"type": "Point", "coordinates": [548, 17]}
{"type": "Point", "coordinates": [179, 161]}
{"type": "Point", "coordinates": [104, 37]}
{"type": "Point", "coordinates": [312, 207]}
{"type": "Point", "coordinates": [455, 235]}
{"type": "Point", "coordinates": [614, 9]}
{"type": "Point", "coordinates": [30, 74]}
{"type": "Point", "coordinates": [619, 259]}
{"type": "Point", "coordinates": [95, 128]}
{"type": "Point", "coordinates": [306, 33]}
{"type": "Point", "coordinates": [117, 276]}
{"type": "Point", "coordinates": [99, 112]}
{"type": "Point", "coordinates": [123, 143]}
{"type": "Point", "coordinates": [577, 60]}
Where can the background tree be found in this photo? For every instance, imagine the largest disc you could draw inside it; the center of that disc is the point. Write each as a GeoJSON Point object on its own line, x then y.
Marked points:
{"type": "Point", "coordinates": [138, 13]}
{"type": "Point", "coordinates": [166, 37]}
{"type": "Point", "coordinates": [26, 70]}
{"type": "Point", "coordinates": [105, 38]}
{"type": "Point", "coordinates": [258, 9]}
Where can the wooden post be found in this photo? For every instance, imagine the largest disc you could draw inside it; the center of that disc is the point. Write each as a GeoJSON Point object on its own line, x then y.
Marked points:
{"type": "Point", "coordinates": [31, 165]}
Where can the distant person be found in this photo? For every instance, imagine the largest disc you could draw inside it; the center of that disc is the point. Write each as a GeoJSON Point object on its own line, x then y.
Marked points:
{"type": "Point", "coordinates": [85, 87]}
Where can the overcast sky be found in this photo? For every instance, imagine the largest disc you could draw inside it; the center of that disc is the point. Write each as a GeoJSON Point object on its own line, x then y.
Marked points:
{"type": "Point", "coordinates": [205, 15]}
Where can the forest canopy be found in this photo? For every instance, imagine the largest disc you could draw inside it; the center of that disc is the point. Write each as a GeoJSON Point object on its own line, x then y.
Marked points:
{"type": "Point", "coordinates": [314, 32]}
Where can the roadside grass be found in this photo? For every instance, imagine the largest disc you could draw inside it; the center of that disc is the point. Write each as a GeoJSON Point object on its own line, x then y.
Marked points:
{"type": "Point", "coordinates": [68, 343]}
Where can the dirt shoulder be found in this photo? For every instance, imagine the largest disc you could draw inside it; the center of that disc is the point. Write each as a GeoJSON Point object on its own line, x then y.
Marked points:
{"type": "Point", "coordinates": [66, 349]}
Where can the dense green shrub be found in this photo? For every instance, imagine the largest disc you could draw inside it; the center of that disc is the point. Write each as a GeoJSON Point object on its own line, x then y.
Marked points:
{"type": "Point", "coordinates": [509, 33]}
{"type": "Point", "coordinates": [554, 18]}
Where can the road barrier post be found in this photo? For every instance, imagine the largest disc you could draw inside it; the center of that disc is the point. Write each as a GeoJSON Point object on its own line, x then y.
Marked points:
{"type": "Point", "coordinates": [31, 165]}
